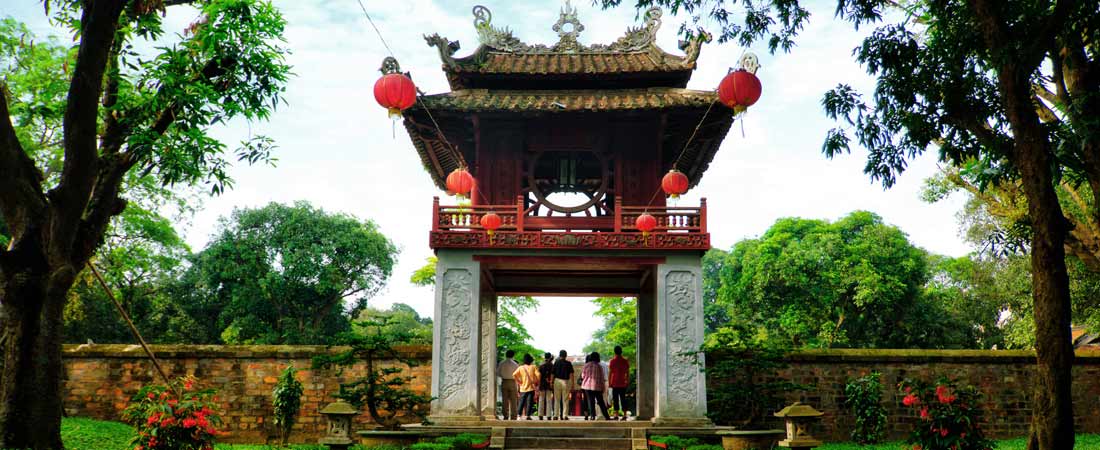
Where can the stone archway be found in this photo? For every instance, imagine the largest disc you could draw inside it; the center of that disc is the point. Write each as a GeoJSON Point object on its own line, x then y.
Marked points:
{"type": "Point", "coordinates": [668, 285]}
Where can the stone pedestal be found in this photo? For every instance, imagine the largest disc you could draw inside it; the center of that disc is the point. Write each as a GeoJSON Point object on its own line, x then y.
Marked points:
{"type": "Point", "coordinates": [680, 382]}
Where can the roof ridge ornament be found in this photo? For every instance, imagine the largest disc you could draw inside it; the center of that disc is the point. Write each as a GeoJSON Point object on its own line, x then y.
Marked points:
{"type": "Point", "coordinates": [568, 28]}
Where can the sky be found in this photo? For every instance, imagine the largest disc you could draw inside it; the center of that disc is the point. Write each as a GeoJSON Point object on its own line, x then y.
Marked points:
{"type": "Point", "coordinates": [339, 151]}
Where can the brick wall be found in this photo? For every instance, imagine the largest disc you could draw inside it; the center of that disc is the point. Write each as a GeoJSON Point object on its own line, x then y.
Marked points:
{"type": "Point", "coordinates": [102, 378]}
{"type": "Point", "coordinates": [1005, 378]}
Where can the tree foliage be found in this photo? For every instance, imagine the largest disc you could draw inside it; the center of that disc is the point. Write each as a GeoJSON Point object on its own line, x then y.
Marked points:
{"type": "Point", "coordinates": [286, 400]}
{"type": "Point", "coordinates": [400, 318]}
{"type": "Point", "coordinates": [285, 274]}
{"type": "Point", "coordinates": [620, 327]}
{"type": "Point", "coordinates": [856, 282]}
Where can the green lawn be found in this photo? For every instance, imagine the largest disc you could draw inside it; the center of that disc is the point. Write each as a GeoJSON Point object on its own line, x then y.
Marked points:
{"type": "Point", "coordinates": [86, 434]}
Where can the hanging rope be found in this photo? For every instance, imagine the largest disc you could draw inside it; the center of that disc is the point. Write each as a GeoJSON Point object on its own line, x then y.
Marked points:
{"type": "Point", "coordinates": [133, 329]}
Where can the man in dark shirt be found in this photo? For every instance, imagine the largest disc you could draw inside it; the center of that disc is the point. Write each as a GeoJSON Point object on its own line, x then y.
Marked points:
{"type": "Point", "coordinates": [563, 385]}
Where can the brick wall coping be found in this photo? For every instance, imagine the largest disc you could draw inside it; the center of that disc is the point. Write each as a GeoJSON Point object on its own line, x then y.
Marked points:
{"type": "Point", "coordinates": [128, 351]}
{"type": "Point", "coordinates": [916, 356]}
{"type": "Point", "coordinates": [1083, 357]}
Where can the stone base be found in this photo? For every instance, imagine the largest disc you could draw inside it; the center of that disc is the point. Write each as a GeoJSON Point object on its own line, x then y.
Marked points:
{"type": "Point", "coordinates": [682, 422]}
{"type": "Point", "coordinates": [750, 439]}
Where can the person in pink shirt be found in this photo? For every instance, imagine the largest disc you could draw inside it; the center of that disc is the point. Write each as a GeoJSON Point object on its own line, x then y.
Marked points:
{"type": "Point", "coordinates": [593, 382]}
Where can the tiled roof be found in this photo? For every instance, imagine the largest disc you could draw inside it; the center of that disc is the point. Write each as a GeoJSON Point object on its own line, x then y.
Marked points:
{"type": "Point", "coordinates": [572, 63]}
{"type": "Point", "coordinates": [563, 101]}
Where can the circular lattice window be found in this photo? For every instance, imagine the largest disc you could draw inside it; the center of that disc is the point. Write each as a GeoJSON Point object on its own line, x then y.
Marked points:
{"type": "Point", "coordinates": [581, 175]}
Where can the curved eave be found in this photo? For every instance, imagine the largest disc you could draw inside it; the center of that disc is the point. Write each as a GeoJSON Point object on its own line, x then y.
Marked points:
{"type": "Point", "coordinates": [684, 109]}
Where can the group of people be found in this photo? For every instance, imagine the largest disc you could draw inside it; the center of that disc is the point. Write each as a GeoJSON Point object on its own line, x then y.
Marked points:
{"type": "Point", "coordinates": [551, 385]}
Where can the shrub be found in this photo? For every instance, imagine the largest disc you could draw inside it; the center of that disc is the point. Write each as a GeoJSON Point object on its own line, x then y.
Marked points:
{"type": "Point", "coordinates": [463, 441]}
{"type": "Point", "coordinates": [286, 397]}
{"type": "Point", "coordinates": [748, 389]}
{"type": "Point", "coordinates": [174, 417]}
{"type": "Point", "coordinates": [949, 415]}
{"type": "Point", "coordinates": [864, 397]}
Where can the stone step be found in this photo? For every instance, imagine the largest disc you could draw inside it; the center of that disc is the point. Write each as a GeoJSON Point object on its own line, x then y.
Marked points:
{"type": "Point", "coordinates": [607, 433]}
{"type": "Point", "coordinates": [567, 442]}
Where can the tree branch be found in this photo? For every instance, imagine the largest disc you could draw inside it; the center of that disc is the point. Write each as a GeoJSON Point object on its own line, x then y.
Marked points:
{"type": "Point", "coordinates": [21, 197]}
{"type": "Point", "coordinates": [99, 22]}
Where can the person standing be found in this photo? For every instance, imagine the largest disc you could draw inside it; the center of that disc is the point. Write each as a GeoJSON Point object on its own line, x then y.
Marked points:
{"type": "Point", "coordinates": [527, 379]}
{"type": "Point", "coordinates": [593, 386]}
{"type": "Point", "coordinates": [546, 387]}
{"type": "Point", "coordinates": [508, 393]}
{"type": "Point", "coordinates": [618, 380]}
{"type": "Point", "coordinates": [563, 385]}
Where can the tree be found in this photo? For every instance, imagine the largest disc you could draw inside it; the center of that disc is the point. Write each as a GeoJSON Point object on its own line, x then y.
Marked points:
{"type": "Point", "coordinates": [620, 325]}
{"type": "Point", "coordinates": [511, 334]}
{"type": "Point", "coordinates": [1009, 87]}
{"type": "Point", "coordinates": [286, 400]}
{"type": "Point", "coordinates": [283, 274]}
{"type": "Point", "coordinates": [401, 318]}
{"type": "Point", "coordinates": [384, 391]}
{"type": "Point", "coordinates": [856, 282]}
{"type": "Point", "coordinates": [122, 110]}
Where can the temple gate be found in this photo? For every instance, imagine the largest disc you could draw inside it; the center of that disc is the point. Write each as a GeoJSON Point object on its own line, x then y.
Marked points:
{"type": "Point", "coordinates": [568, 143]}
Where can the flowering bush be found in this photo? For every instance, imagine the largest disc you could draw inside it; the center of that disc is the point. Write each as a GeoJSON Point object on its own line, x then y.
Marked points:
{"type": "Point", "coordinates": [949, 415]}
{"type": "Point", "coordinates": [175, 417]}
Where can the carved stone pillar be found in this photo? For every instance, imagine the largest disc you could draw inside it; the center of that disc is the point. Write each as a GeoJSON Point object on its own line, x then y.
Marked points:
{"type": "Point", "coordinates": [487, 382]}
{"type": "Point", "coordinates": [455, 349]}
{"type": "Point", "coordinates": [681, 385]}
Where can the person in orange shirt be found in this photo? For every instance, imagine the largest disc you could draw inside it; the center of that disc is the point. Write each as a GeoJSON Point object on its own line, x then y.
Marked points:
{"type": "Point", "coordinates": [527, 377]}
{"type": "Point", "coordinates": [618, 380]}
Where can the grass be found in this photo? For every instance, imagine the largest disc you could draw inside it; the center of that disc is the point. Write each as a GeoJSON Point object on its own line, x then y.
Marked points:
{"type": "Point", "coordinates": [80, 433]}
{"type": "Point", "coordinates": [1084, 442]}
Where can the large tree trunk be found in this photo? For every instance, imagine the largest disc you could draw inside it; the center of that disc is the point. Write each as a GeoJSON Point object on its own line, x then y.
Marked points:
{"type": "Point", "coordinates": [30, 392]}
{"type": "Point", "coordinates": [1052, 407]}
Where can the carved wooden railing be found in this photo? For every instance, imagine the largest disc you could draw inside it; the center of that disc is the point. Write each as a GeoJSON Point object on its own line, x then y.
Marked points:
{"type": "Point", "coordinates": [670, 219]}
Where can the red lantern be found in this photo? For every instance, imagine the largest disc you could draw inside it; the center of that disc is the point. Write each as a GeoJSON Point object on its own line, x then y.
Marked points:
{"type": "Point", "coordinates": [645, 223]}
{"type": "Point", "coordinates": [674, 183]}
{"type": "Point", "coordinates": [739, 90]}
{"type": "Point", "coordinates": [460, 182]}
{"type": "Point", "coordinates": [490, 222]}
{"type": "Point", "coordinates": [395, 92]}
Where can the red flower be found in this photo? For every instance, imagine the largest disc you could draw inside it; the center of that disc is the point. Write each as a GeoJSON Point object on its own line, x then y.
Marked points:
{"type": "Point", "coordinates": [943, 432]}
{"type": "Point", "coordinates": [152, 442]}
{"type": "Point", "coordinates": [908, 389]}
{"type": "Point", "coordinates": [153, 418]}
{"type": "Point", "coordinates": [910, 400]}
{"type": "Point", "coordinates": [189, 384]}
{"type": "Point", "coordinates": [189, 423]}
{"type": "Point", "coordinates": [924, 413]}
{"type": "Point", "coordinates": [152, 395]}
{"type": "Point", "coordinates": [941, 394]}
{"type": "Point", "coordinates": [168, 421]}
{"type": "Point", "coordinates": [173, 402]}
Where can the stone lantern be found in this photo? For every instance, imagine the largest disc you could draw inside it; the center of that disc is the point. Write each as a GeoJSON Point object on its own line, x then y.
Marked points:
{"type": "Point", "coordinates": [339, 414]}
{"type": "Point", "coordinates": [798, 418]}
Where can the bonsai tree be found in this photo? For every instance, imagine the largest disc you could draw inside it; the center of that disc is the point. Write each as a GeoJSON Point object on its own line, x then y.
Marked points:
{"type": "Point", "coordinates": [287, 400]}
{"type": "Point", "coordinates": [384, 391]}
{"type": "Point", "coordinates": [746, 388]}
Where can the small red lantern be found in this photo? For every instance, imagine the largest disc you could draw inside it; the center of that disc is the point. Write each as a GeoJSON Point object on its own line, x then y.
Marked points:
{"type": "Point", "coordinates": [394, 91]}
{"type": "Point", "coordinates": [645, 223]}
{"type": "Point", "coordinates": [490, 222]}
{"type": "Point", "coordinates": [675, 183]}
{"type": "Point", "coordinates": [739, 90]}
{"type": "Point", "coordinates": [460, 182]}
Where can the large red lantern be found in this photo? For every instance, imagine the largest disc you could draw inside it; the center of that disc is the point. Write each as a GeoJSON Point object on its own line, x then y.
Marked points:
{"type": "Point", "coordinates": [645, 223]}
{"type": "Point", "coordinates": [739, 90]}
{"type": "Point", "coordinates": [490, 222]}
{"type": "Point", "coordinates": [675, 183]}
{"type": "Point", "coordinates": [460, 182]}
{"type": "Point", "coordinates": [394, 91]}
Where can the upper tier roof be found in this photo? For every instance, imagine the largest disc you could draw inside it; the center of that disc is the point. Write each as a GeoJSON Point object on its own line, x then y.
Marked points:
{"type": "Point", "coordinates": [502, 61]}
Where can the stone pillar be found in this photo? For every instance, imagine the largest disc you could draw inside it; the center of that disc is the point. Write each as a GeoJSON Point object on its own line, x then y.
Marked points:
{"type": "Point", "coordinates": [487, 382]}
{"type": "Point", "coordinates": [647, 342]}
{"type": "Point", "coordinates": [681, 385]}
{"type": "Point", "coordinates": [455, 341]}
